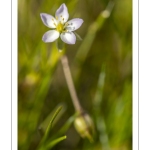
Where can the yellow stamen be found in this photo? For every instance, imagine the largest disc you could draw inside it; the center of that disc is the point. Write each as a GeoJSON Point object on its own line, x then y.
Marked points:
{"type": "Point", "coordinates": [60, 27]}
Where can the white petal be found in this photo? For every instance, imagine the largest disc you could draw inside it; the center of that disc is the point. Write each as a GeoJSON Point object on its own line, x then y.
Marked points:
{"type": "Point", "coordinates": [62, 13]}
{"type": "Point", "coordinates": [48, 20]}
{"type": "Point", "coordinates": [74, 24]}
{"type": "Point", "coordinates": [50, 36]}
{"type": "Point", "coordinates": [68, 37]}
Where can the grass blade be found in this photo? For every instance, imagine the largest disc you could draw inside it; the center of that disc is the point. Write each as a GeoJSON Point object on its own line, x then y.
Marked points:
{"type": "Point", "coordinates": [54, 142]}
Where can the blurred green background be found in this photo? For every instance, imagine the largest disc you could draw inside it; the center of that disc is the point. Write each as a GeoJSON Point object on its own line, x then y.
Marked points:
{"type": "Point", "coordinates": [101, 66]}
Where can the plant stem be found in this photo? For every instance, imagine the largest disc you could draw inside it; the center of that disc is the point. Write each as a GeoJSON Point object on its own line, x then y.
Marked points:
{"type": "Point", "coordinates": [67, 72]}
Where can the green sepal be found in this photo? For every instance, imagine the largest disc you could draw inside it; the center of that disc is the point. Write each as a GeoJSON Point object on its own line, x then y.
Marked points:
{"type": "Point", "coordinates": [60, 45]}
{"type": "Point", "coordinates": [78, 36]}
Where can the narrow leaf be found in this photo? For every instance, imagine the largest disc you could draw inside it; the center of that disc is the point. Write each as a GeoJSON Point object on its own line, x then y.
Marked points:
{"type": "Point", "coordinates": [43, 126]}
{"type": "Point", "coordinates": [49, 127]}
{"type": "Point", "coordinates": [54, 142]}
{"type": "Point", "coordinates": [52, 120]}
{"type": "Point", "coordinates": [66, 126]}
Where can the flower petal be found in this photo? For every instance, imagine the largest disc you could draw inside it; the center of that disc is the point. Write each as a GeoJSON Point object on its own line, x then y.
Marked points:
{"type": "Point", "coordinates": [50, 36]}
{"type": "Point", "coordinates": [62, 13]}
{"type": "Point", "coordinates": [68, 37]}
{"type": "Point", "coordinates": [74, 24]}
{"type": "Point", "coordinates": [48, 20]}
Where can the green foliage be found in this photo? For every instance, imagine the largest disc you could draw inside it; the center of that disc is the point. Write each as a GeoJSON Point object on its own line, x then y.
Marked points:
{"type": "Point", "coordinates": [44, 145]}
{"type": "Point", "coordinates": [101, 66]}
{"type": "Point", "coordinates": [53, 143]}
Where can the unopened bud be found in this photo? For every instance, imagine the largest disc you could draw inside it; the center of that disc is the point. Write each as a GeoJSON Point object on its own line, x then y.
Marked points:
{"type": "Point", "coordinates": [84, 126]}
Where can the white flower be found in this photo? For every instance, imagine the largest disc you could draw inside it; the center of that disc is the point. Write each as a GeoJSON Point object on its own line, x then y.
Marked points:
{"type": "Point", "coordinates": [60, 26]}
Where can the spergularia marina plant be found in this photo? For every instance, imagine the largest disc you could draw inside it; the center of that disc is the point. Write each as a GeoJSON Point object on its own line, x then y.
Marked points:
{"type": "Point", "coordinates": [60, 26]}
{"type": "Point", "coordinates": [64, 31]}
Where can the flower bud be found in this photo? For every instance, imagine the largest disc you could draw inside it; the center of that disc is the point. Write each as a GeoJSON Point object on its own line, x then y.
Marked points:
{"type": "Point", "coordinates": [84, 126]}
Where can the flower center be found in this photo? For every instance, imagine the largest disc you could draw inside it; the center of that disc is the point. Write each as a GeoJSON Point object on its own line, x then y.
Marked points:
{"type": "Point", "coordinates": [60, 27]}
